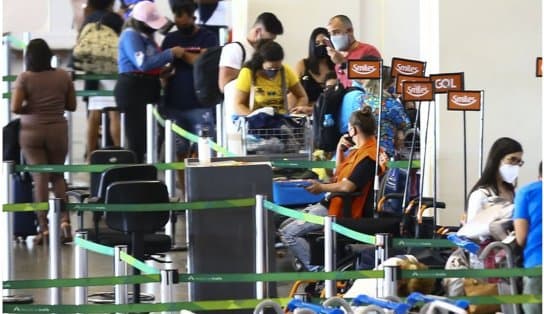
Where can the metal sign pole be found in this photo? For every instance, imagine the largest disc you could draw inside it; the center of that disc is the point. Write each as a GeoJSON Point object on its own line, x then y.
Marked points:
{"type": "Point", "coordinates": [481, 151]}
{"type": "Point", "coordinates": [378, 136]}
{"type": "Point", "coordinates": [149, 134]}
{"type": "Point", "coordinates": [55, 205]}
{"type": "Point", "coordinates": [259, 245]}
{"type": "Point", "coordinates": [81, 269]}
{"type": "Point", "coordinates": [330, 255]}
{"type": "Point", "coordinates": [465, 159]}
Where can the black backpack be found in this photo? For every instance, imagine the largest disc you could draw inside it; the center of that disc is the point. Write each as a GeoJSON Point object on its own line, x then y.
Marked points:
{"type": "Point", "coordinates": [329, 102]}
{"type": "Point", "coordinates": [206, 76]}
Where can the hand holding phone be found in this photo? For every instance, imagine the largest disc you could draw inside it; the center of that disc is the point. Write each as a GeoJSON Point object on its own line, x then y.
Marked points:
{"type": "Point", "coordinates": [346, 142]}
{"type": "Point", "coordinates": [328, 42]}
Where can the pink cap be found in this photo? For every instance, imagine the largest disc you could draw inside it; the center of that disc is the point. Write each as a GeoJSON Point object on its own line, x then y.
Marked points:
{"type": "Point", "coordinates": [146, 11]}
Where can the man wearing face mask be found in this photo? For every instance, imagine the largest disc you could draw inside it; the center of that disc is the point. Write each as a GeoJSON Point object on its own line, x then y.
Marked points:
{"type": "Point", "coordinates": [345, 47]}
{"type": "Point", "coordinates": [180, 101]}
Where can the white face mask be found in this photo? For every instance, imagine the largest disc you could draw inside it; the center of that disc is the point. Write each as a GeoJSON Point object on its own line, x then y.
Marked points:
{"type": "Point", "coordinates": [340, 42]}
{"type": "Point", "coordinates": [509, 173]}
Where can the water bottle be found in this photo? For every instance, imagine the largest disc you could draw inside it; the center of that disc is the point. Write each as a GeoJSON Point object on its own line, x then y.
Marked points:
{"type": "Point", "coordinates": [328, 121]}
{"type": "Point", "coordinates": [204, 154]}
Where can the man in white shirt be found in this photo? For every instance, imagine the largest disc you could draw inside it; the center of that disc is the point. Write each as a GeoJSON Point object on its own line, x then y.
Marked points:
{"type": "Point", "coordinates": [266, 26]}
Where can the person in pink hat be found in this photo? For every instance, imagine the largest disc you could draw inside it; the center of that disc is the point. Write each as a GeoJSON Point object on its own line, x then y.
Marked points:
{"type": "Point", "coordinates": [141, 62]}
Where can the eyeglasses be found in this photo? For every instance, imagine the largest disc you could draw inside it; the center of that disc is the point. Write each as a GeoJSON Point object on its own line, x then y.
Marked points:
{"type": "Point", "coordinates": [514, 161]}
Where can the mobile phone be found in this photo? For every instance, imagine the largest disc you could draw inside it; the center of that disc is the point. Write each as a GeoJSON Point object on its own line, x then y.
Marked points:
{"type": "Point", "coordinates": [193, 49]}
{"type": "Point", "coordinates": [328, 42]}
{"type": "Point", "coordinates": [350, 141]}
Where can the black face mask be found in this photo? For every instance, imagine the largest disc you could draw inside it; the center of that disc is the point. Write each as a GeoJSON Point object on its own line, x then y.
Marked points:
{"type": "Point", "coordinates": [320, 51]}
{"type": "Point", "coordinates": [186, 30]}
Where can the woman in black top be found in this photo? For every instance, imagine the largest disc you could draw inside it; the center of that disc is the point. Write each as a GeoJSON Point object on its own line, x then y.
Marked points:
{"type": "Point", "coordinates": [313, 69]}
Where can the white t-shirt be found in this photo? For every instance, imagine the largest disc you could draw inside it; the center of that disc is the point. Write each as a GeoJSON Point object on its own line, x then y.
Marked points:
{"type": "Point", "coordinates": [232, 55]}
{"type": "Point", "coordinates": [222, 16]}
{"type": "Point", "coordinates": [477, 201]}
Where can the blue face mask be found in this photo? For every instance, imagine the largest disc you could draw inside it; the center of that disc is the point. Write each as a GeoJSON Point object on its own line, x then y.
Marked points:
{"type": "Point", "coordinates": [270, 73]}
{"type": "Point", "coordinates": [340, 42]}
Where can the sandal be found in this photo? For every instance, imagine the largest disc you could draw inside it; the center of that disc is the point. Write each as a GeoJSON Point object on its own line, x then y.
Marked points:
{"type": "Point", "coordinates": [41, 237]}
{"type": "Point", "coordinates": [66, 233]}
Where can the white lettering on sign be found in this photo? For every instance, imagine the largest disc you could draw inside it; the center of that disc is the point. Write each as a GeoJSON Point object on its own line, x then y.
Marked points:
{"type": "Point", "coordinates": [417, 90]}
{"type": "Point", "coordinates": [364, 69]}
{"type": "Point", "coordinates": [407, 69]}
{"type": "Point", "coordinates": [445, 83]}
{"type": "Point", "coordinates": [464, 100]}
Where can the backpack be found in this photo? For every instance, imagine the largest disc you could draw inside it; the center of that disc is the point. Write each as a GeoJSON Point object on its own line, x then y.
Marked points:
{"type": "Point", "coordinates": [206, 76]}
{"type": "Point", "coordinates": [96, 49]}
{"type": "Point", "coordinates": [329, 102]}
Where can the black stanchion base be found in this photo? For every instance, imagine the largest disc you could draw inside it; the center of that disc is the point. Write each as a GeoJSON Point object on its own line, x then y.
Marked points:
{"type": "Point", "coordinates": [178, 248]}
{"type": "Point", "coordinates": [109, 297]}
{"type": "Point", "coordinates": [18, 299]}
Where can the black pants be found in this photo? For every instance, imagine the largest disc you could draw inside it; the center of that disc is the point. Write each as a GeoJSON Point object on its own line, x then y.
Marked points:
{"type": "Point", "coordinates": [132, 93]}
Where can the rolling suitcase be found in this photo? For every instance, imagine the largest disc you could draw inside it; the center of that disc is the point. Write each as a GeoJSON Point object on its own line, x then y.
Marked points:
{"type": "Point", "coordinates": [24, 223]}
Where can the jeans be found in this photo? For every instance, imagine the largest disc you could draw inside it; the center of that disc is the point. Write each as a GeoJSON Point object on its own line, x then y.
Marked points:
{"type": "Point", "coordinates": [292, 232]}
{"type": "Point", "coordinates": [532, 285]}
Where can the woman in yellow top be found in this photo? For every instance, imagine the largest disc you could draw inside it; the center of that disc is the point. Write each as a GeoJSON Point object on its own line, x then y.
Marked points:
{"type": "Point", "coordinates": [264, 82]}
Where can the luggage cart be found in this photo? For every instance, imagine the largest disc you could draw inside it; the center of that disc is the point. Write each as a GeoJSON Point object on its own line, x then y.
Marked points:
{"type": "Point", "coordinates": [504, 287]}
{"type": "Point", "coordinates": [290, 140]}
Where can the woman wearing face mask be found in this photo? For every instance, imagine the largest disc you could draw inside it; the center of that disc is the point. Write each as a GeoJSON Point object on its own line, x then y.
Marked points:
{"type": "Point", "coordinates": [264, 82]}
{"type": "Point", "coordinates": [498, 180]}
{"type": "Point", "coordinates": [140, 64]}
{"type": "Point", "coordinates": [313, 69]}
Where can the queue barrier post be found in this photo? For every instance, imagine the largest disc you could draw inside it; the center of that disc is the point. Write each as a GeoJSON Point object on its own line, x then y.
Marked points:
{"type": "Point", "coordinates": [390, 281]}
{"type": "Point", "coordinates": [55, 207]}
{"type": "Point", "coordinates": [120, 269]}
{"type": "Point", "coordinates": [123, 138]}
{"type": "Point", "coordinates": [69, 156]}
{"type": "Point", "coordinates": [150, 135]}
{"type": "Point", "coordinates": [330, 255]}
{"type": "Point", "coordinates": [81, 268]}
{"type": "Point", "coordinates": [7, 221]}
{"type": "Point", "coordinates": [6, 64]}
{"type": "Point", "coordinates": [169, 279]}
{"type": "Point", "coordinates": [260, 247]}
{"type": "Point", "coordinates": [170, 177]}
{"type": "Point", "coordinates": [383, 245]}
{"type": "Point", "coordinates": [8, 295]}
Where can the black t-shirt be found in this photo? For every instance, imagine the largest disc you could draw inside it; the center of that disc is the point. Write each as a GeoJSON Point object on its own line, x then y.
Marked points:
{"type": "Point", "coordinates": [108, 18]}
{"type": "Point", "coordinates": [362, 174]}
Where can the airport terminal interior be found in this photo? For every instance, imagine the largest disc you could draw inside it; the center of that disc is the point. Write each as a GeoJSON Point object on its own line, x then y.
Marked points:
{"type": "Point", "coordinates": [363, 156]}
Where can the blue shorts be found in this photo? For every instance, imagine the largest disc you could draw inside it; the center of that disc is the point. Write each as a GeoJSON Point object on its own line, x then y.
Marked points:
{"type": "Point", "coordinates": [192, 120]}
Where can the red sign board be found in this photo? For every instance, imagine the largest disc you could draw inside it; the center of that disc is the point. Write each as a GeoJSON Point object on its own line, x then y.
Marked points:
{"type": "Point", "coordinates": [445, 82]}
{"type": "Point", "coordinates": [364, 69]}
{"type": "Point", "coordinates": [407, 67]}
{"type": "Point", "coordinates": [417, 91]}
{"type": "Point", "coordinates": [465, 100]}
{"type": "Point", "coordinates": [539, 67]}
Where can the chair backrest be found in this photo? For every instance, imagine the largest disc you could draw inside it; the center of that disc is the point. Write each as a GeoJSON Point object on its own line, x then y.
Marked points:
{"type": "Point", "coordinates": [108, 156]}
{"type": "Point", "coordinates": [134, 172]}
{"type": "Point", "coordinates": [137, 192]}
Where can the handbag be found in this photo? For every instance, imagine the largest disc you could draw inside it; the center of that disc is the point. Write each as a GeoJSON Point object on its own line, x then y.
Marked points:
{"type": "Point", "coordinates": [96, 49]}
{"type": "Point", "coordinates": [476, 287]}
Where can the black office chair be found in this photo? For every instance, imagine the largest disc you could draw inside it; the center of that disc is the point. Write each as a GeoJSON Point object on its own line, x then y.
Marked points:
{"type": "Point", "coordinates": [114, 174]}
{"type": "Point", "coordinates": [113, 156]}
{"type": "Point", "coordinates": [138, 225]}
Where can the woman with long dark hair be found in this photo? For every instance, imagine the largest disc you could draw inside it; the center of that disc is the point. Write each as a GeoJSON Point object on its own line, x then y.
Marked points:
{"type": "Point", "coordinates": [140, 64]}
{"type": "Point", "coordinates": [41, 95]}
{"type": "Point", "coordinates": [498, 179]}
{"type": "Point", "coordinates": [313, 69]}
{"type": "Point", "coordinates": [264, 81]}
